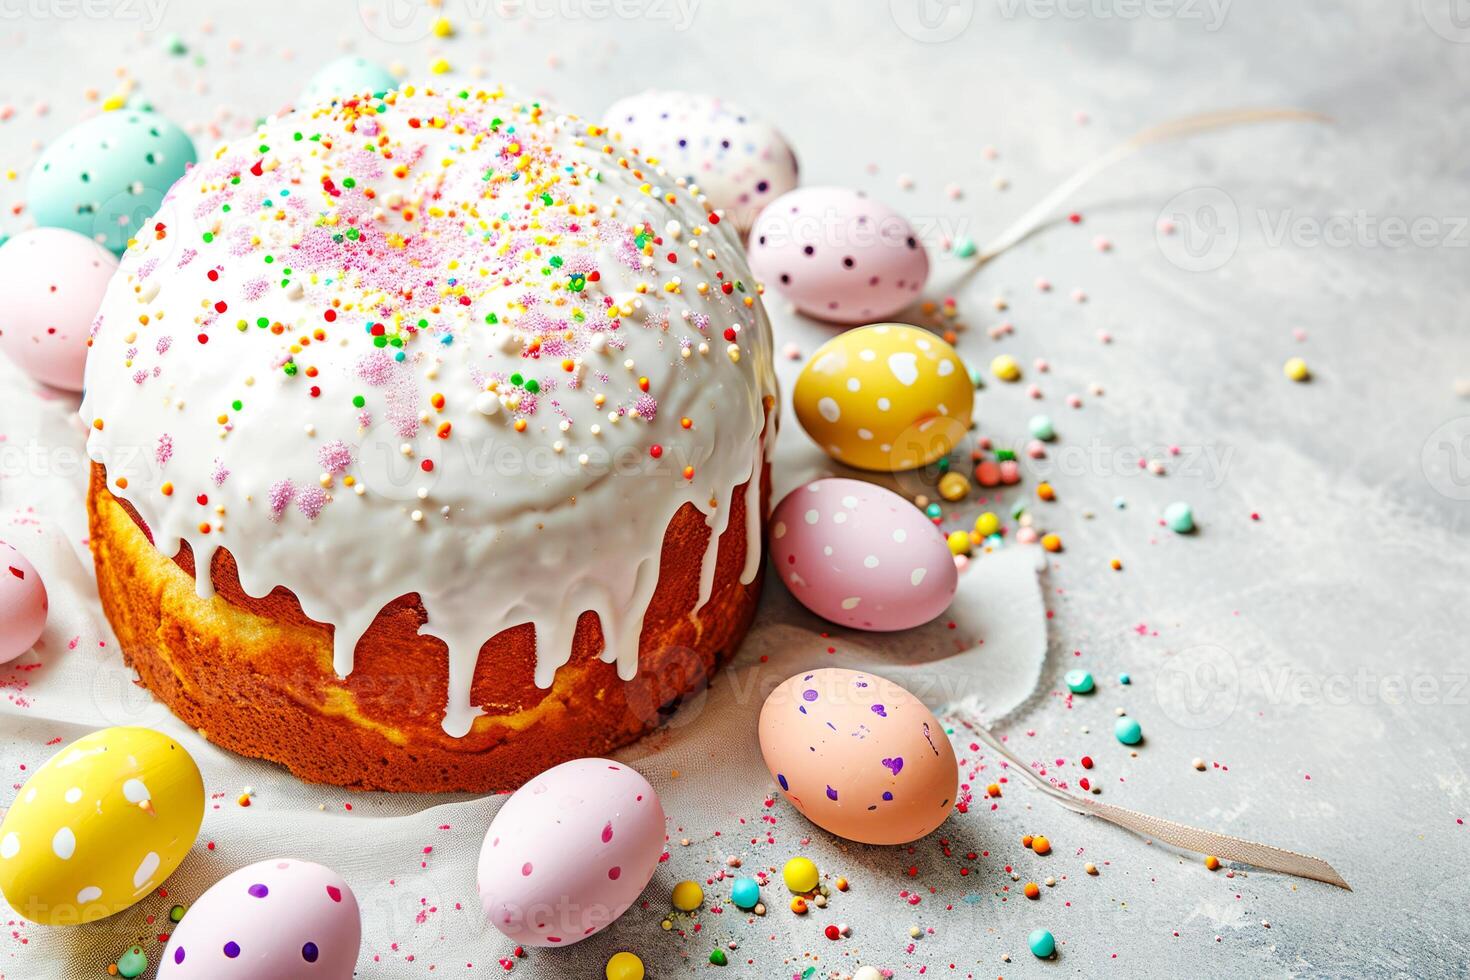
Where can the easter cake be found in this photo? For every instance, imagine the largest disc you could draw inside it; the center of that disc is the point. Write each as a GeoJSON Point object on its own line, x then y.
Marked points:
{"type": "Point", "coordinates": [430, 434]}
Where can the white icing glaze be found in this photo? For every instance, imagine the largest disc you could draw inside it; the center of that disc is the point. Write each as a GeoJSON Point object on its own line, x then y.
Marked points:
{"type": "Point", "coordinates": [738, 161]}
{"type": "Point", "coordinates": [492, 240]}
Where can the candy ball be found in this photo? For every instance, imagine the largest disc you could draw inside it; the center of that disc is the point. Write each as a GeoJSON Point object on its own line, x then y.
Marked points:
{"type": "Point", "coordinates": [1041, 427]}
{"type": "Point", "coordinates": [1128, 730]}
{"type": "Point", "coordinates": [838, 255]}
{"type": "Point", "coordinates": [132, 963]}
{"type": "Point", "coordinates": [53, 281]}
{"type": "Point", "coordinates": [800, 875]}
{"type": "Point", "coordinates": [861, 556]}
{"type": "Point", "coordinates": [746, 893]}
{"type": "Point", "coordinates": [738, 160]}
{"type": "Point", "coordinates": [1005, 367]}
{"type": "Point", "coordinates": [349, 75]}
{"type": "Point", "coordinates": [887, 397]}
{"type": "Point", "coordinates": [1042, 943]}
{"type": "Point", "coordinates": [1296, 369]}
{"type": "Point", "coordinates": [1180, 517]}
{"type": "Point", "coordinates": [23, 604]}
{"type": "Point", "coordinates": [624, 966]}
{"type": "Point", "coordinates": [1079, 681]}
{"type": "Point", "coordinates": [104, 177]}
{"type": "Point", "coordinates": [688, 896]}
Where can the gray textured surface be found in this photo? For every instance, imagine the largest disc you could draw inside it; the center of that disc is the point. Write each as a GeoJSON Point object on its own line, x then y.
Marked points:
{"type": "Point", "coordinates": [1326, 640]}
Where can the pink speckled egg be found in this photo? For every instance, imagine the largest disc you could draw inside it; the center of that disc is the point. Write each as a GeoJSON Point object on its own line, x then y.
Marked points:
{"type": "Point", "coordinates": [838, 255]}
{"type": "Point", "coordinates": [53, 280]}
{"type": "Point", "coordinates": [739, 161]}
{"type": "Point", "coordinates": [278, 918]}
{"type": "Point", "coordinates": [23, 604]}
{"type": "Point", "coordinates": [569, 852]}
{"type": "Point", "coordinates": [859, 756]}
{"type": "Point", "coordinates": [861, 556]}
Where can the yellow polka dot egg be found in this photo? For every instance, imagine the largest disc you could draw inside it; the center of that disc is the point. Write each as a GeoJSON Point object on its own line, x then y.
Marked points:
{"type": "Point", "coordinates": [887, 397]}
{"type": "Point", "coordinates": [99, 826]}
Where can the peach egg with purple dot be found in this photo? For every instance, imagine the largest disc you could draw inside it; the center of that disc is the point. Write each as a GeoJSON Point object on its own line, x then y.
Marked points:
{"type": "Point", "coordinates": [859, 756]}
{"type": "Point", "coordinates": [861, 556]}
{"type": "Point", "coordinates": [281, 917]}
{"type": "Point", "coordinates": [569, 852]}
{"type": "Point", "coordinates": [838, 255]}
{"type": "Point", "coordinates": [99, 826]}
{"type": "Point", "coordinates": [53, 281]}
{"type": "Point", "coordinates": [23, 604]}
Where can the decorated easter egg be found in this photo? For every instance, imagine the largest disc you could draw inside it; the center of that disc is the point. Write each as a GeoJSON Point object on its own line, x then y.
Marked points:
{"type": "Point", "coordinates": [278, 918]}
{"type": "Point", "coordinates": [861, 556]}
{"type": "Point", "coordinates": [53, 281]}
{"type": "Point", "coordinates": [859, 756]}
{"type": "Point", "coordinates": [104, 177]}
{"type": "Point", "coordinates": [350, 75]}
{"type": "Point", "coordinates": [99, 826]}
{"type": "Point", "coordinates": [569, 852]}
{"type": "Point", "coordinates": [888, 397]}
{"type": "Point", "coordinates": [838, 255]}
{"type": "Point", "coordinates": [23, 604]}
{"type": "Point", "coordinates": [738, 160]}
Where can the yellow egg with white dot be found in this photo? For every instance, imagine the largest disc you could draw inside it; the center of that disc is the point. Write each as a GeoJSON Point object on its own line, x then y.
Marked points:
{"type": "Point", "coordinates": [99, 826]}
{"type": "Point", "coordinates": [887, 397]}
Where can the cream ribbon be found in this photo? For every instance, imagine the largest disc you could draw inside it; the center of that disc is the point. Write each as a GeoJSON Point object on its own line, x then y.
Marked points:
{"type": "Point", "coordinates": [1180, 835]}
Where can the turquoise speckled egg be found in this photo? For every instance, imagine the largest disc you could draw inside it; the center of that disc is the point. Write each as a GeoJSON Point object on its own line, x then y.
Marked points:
{"type": "Point", "coordinates": [347, 76]}
{"type": "Point", "coordinates": [104, 177]}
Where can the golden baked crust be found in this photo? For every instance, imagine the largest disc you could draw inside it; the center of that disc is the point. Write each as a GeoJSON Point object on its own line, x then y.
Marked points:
{"type": "Point", "coordinates": [255, 675]}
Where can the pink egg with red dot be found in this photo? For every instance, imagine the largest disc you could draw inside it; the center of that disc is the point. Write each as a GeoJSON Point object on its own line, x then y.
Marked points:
{"type": "Point", "coordinates": [23, 604]}
{"type": "Point", "coordinates": [569, 852]}
{"type": "Point", "coordinates": [278, 918]}
{"type": "Point", "coordinates": [53, 280]}
{"type": "Point", "coordinates": [838, 255]}
{"type": "Point", "coordinates": [861, 556]}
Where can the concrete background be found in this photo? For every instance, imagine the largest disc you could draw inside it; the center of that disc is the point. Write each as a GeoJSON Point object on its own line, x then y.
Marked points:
{"type": "Point", "coordinates": [1320, 651]}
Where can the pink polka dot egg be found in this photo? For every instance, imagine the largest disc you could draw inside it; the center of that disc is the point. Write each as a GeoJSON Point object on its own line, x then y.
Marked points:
{"type": "Point", "coordinates": [278, 918]}
{"type": "Point", "coordinates": [53, 280]}
{"type": "Point", "coordinates": [23, 604]}
{"type": "Point", "coordinates": [569, 852]}
{"type": "Point", "coordinates": [861, 556]}
{"type": "Point", "coordinates": [838, 255]}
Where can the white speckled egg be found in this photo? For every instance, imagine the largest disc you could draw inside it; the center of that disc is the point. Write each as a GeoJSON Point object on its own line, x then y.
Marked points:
{"type": "Point", "coordinates": [861, 556]}
{"type": "Point", "coordinates": [569, 852]}
{"type": "Point", "coordinates": [53, 281]}
{"type": "Point", "coordinates": [739, 160]}
{"type": "Point", "coordinates": [838, 255]}
{"type": "Point", "coordinates": [887, 397]}
{"type": "Point", "coordinates": [104, 177]}
{"type": "Point", "coordinates": [349, 75]}
{"type": "Point", "coordinates": [278, 918]}
{"type": "Point", "coordinates": [23, 604]}
{"type": "Point", "coordinates": [99, 826]}
{"type": "Point", "coordinates": [859, 756]}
